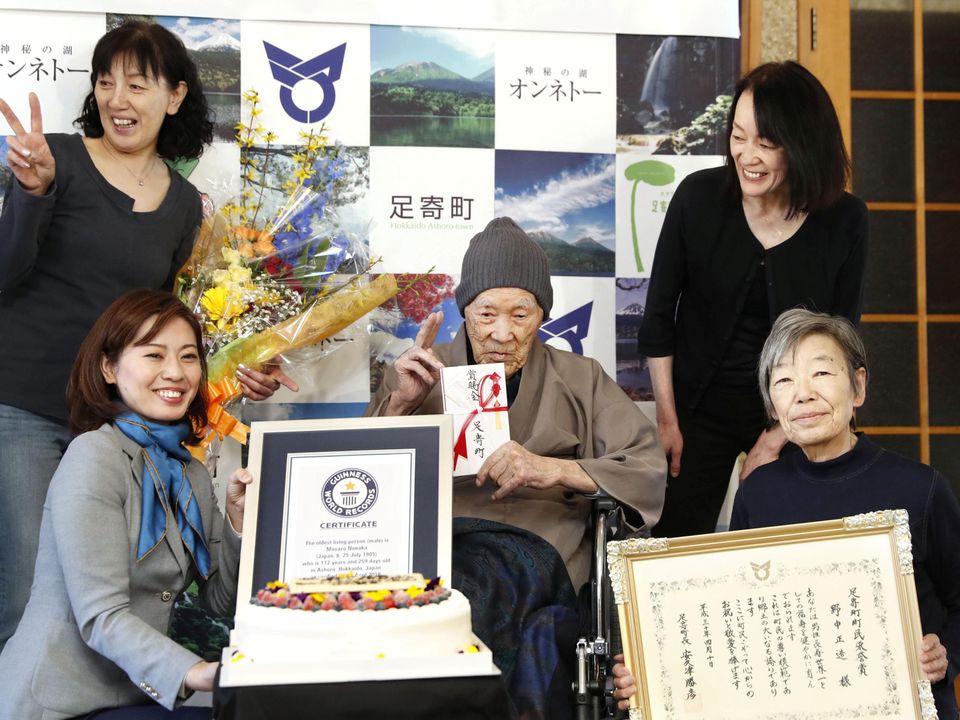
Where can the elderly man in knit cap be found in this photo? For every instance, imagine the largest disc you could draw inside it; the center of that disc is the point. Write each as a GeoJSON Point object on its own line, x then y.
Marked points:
{"type": "Point", "coordinates": [573, 431]}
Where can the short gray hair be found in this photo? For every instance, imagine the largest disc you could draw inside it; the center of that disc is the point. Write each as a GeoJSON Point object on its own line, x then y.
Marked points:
{"type": "Point", "coordinates": [792, 327]}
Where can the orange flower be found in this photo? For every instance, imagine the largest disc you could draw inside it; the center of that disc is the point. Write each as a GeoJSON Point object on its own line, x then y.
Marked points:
{"type": "Point", "coordinates": [253, 243]}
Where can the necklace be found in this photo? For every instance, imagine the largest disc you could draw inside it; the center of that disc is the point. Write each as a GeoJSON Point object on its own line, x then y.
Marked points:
{"type": "Point", "coordinates": [139, 178]}
{"type": "Point", "coordinates": [771, 225]}
{"type": "Point", "coordinates": [775, 224]}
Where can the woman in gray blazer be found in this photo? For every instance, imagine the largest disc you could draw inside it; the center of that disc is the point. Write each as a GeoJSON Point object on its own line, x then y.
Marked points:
{"type": "Point", "coordinates": [129, 522]}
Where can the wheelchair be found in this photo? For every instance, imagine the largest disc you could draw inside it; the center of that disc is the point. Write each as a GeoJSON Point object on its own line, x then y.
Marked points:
{"type": "Point", "coordinates": [593, 684]}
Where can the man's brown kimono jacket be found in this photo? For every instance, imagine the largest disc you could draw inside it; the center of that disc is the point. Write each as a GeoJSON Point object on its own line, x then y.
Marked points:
{"type": "Point", "coordinates": [567, 407]}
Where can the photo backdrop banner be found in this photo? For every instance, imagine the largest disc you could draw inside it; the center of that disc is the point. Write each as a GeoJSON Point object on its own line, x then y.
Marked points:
{"type": "Point", "coordinates": [581, 137]}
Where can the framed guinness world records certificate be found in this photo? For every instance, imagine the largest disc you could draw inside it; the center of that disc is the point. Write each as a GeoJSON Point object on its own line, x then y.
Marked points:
{"type": "Point", "coordinates": [799, 622]}
{"type": "Point", "coordinates": [357, 494]}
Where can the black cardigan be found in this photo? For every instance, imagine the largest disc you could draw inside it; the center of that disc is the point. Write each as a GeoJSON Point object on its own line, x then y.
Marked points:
{"type": "Point", "coordinates": [707, 258]}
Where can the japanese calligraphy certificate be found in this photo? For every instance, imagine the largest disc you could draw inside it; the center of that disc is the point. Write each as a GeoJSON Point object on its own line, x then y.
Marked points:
{"type": "Point", "coordinates": [476, 397]}
{"type": "Point", "coordinates": [815, 621]}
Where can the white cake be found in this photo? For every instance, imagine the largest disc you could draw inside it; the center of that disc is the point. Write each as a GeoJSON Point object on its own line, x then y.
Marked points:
{"type": "Point", "coordinates": [439, 629]}
{"type": "Point", "coordinates": [292, 644]}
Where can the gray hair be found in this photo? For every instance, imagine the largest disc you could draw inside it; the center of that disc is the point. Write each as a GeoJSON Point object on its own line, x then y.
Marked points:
{"type": "Point", "coordinates": [792, 327]}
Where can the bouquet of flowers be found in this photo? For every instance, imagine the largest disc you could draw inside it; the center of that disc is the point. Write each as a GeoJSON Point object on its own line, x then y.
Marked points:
{"type": "Point", "coordinates": [272, 272]}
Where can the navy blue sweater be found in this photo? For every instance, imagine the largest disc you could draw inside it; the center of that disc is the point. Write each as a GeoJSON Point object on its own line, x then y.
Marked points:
{"type": "Point", "coordinates": [793, 490]}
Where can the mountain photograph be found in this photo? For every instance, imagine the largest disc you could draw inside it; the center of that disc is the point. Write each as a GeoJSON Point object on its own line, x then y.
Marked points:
{"type": "Point", "coordinates": [633, 375]}
{"type": "Point", "coordinates": [218, 58]}
{"type": "Point", "coordinates": [431, 87]}
{"type": "Point", "coordinates": [214, 46]}
{"type": "Point", "coordinates": [565, 202]}
{"type": "Point", "coordinates": [583, 257]}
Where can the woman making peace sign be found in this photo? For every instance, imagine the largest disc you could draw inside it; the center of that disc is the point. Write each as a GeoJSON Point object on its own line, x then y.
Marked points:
{"type": "Point", "coordinates": [86, 218]}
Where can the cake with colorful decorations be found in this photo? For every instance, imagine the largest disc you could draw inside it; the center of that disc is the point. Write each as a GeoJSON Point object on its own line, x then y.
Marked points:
{"type": "Point", "coordinates": [353, 618]}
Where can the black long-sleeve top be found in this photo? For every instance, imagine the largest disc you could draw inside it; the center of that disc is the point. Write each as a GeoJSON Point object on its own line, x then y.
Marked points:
{"type": "Point", "coordinates": [707, 259]}
{"type": "Point", "coordinates": [865, 479]}
{"type": "Point", "coordinates": [65, 257]}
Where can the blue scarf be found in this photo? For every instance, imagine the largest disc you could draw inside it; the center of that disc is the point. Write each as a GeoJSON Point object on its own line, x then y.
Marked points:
{"type": "Point", "coordinates": [165, 462]}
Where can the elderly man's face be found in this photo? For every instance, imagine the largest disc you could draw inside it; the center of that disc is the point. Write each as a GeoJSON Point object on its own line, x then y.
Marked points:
{"type": "Point", "coordinates": [813, 398]}
{"type": "Point", "coordinates": [501, 325]}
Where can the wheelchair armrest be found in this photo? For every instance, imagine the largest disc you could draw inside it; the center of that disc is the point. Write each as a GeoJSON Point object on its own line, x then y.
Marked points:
{"type": "Point", "coordinates": [602, 501]}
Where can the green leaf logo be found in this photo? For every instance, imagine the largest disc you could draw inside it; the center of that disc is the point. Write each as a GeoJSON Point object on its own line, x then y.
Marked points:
{"type": "Point", "coordinates": [651, 172]}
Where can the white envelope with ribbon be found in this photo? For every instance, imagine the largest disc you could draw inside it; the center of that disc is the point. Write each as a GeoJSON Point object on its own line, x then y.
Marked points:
{"type": "Point", "coordinates": [476, 396]}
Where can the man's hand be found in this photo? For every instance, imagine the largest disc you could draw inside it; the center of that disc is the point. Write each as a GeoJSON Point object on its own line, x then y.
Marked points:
{"type": "Point", "coordinates": [512, 466]}
{"type": "Point", "coordinates": [933, 658]}
{"type": "Point", "coordinates": [261, 385]}
{"type": "Point", "coordinates": [418, 369]}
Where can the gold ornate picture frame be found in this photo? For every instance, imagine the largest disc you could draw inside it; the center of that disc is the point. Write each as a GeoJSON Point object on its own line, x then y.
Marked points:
{"type": "Point", "coordinates": [799, 622]}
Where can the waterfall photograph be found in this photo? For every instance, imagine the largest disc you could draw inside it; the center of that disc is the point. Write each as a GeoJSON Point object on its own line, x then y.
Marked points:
{"type": "Point", "coordinates": [674, 93]}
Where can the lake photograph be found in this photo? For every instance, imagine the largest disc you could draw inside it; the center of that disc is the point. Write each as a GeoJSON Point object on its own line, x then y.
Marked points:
{"type": "Point", "coordinates": [633, 375]}
{"type": "Point", "coordinates": [214, 46]}
{"type": "Point", "coordinates": [431, 87]}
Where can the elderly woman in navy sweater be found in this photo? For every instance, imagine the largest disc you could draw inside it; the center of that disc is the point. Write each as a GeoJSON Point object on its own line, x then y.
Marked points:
{"type": "Point", "coordinates": [813, 377]}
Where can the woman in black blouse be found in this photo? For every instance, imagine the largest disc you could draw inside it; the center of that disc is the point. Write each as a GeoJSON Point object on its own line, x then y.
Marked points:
{"type": "Point", "coordinates": [771, 230]}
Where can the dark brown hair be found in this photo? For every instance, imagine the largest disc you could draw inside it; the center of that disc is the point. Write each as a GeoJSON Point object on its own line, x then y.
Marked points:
{"type": "Point", "coordinates": [156, 51]}
{"type": "Point", "coordinates": [92, 400]}
{"type": "Point", "coordinates": [794, 110]}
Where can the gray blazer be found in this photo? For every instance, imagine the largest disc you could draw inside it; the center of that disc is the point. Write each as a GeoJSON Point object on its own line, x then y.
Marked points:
{"type": "Point", "coordinates": [94, 631]}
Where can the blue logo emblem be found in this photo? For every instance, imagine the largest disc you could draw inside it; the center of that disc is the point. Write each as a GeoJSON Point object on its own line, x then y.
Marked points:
{"type": "Point", "coordinates": [349, 493]}
{"type": "Point", "coordinates": [571, 328]}
{"type": "Point", "coordinates": [324, 70]}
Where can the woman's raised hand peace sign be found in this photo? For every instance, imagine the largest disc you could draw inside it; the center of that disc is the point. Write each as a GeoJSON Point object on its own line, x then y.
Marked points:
{"type": "Point", "coordinates": [29, 156]}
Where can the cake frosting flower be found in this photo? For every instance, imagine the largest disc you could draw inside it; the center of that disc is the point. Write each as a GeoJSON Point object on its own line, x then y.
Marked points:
{"type": "Point", "coordinates": [278, 594]}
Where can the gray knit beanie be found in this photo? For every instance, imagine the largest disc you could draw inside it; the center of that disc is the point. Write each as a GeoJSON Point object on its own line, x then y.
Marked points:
{"type": "Point", "coordinates": [503, 255]}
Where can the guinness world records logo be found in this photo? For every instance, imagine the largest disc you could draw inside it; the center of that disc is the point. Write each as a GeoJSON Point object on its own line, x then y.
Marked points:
{"type": "Point", "coordinates": [350, 492]}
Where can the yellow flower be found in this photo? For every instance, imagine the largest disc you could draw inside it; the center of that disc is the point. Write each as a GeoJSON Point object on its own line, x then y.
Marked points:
{"type": "Point", "coordinates": [378, 595]}
{"type": "Point", "coordinates": [318, 597]}
{"type": "Point", "coordinates": [275, 585]}
{"type": "Point", "coordinates": [240, 274]}
{"type": "Point", "coordinates": [302, 173]}
{"type": "Point", "coordinates": [222, 307]}
{"type": "Point", "coordinates": [251, 96]}
{"type": "Point", "coordinates": [231, 256]}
